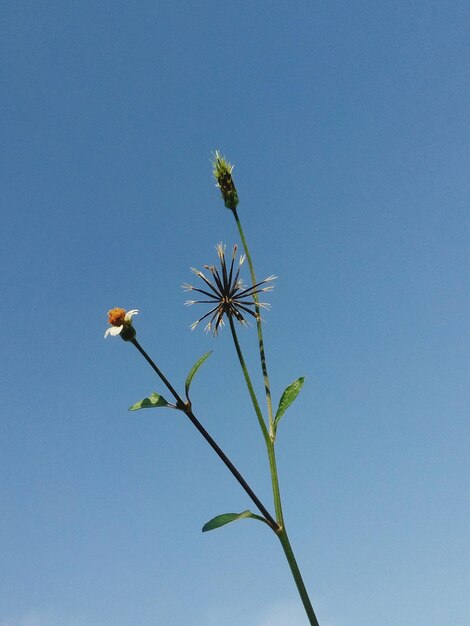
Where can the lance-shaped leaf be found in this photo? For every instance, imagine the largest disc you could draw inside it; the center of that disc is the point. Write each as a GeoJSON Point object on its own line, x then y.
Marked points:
{"type": "Point", "coordinates": [290, 394]}
{"type": "Point", "coordinates": [193, 371]}
{"type": "Point", "coordinates": [153, 401]}
{"type": "Point", "coordinates": [226, 518]}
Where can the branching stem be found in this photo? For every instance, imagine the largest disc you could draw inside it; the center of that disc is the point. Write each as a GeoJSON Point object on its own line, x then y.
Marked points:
{"type": "Point", "coordinates": [185, 407]}
{"type": "Point", "coordinates": [270, 440]}
{"type": "Point", "coordinates": [264, 367]}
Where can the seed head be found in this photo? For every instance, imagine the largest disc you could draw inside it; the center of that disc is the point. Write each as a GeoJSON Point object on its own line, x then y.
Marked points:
{"type": "Point", "coordinates": [226, 293]}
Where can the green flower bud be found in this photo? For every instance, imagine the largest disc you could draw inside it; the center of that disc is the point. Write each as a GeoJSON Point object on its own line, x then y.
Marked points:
{"type": "Point", "coordinates": [223, 174]}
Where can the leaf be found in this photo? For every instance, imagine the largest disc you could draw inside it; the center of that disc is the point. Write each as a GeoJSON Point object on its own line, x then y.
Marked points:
{"type": "Point", "coordinates": [193, 371]}
{"type": "Point", "coordinates": [290, 394]}
{"type": "Point", "coordinates": [226, 518]}
{"type": "Point", "coordinates": [153, 401]}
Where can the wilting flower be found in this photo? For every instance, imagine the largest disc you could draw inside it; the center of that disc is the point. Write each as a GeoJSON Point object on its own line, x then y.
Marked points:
{"type": "Point", "coordinates": [223, 174]}
{"type": "Point", "coordinates": [227, 293]}
{"type": "Point", "coordinates": [121, 323]}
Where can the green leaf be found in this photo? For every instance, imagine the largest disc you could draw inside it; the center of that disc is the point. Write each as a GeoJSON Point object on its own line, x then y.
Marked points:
{"type": "Point", "coordinates": [153, 401]}
{"type": "Point", "coordinates": [193, 371]}
{"type": "Point", "coordinates": [290, 394]}
{"type": "Point", "coordinates": [226, 518]}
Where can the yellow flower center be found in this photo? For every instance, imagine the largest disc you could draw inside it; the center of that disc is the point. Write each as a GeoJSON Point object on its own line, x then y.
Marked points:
{"type": "Point", "coordinates": [116, 317]}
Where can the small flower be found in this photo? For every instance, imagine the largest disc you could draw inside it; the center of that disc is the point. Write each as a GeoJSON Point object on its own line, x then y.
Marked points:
{"type": "Point", "coordinates": [121, 323]}
{"type": "Point", "coordinates": [227, 293]}
{"type": "Point", "coordinates": [223, 174]}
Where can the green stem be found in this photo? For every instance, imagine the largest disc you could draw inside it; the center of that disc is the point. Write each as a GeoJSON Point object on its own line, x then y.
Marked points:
{"type": "Point", "coordinates": [281, 531]}
{"type": "Point", "coordinates": [282, 534]}
{"type": "Point", "coordinates": [264, 366]}
{"type": "Point", "coordinates": [284, 539]}
{"type": "Point", "coordinates": [269, 442]}
{"type": "Point", "coordinates": [251, 391]}
{"type": "Point", "coordinates": [275, 484]}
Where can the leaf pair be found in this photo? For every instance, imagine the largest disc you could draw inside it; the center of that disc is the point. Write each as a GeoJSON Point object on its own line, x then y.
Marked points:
{"type": "Point", "coordinates": [155, 400]}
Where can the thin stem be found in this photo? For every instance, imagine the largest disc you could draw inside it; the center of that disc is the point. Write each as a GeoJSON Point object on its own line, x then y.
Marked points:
{"type": "Point", "coordinates": [249, 384]}
{"type": "Point", "coordinates": [275, 484]}
{"type": "Point", "coordinates": [160, 374]}
{"type": "Point", "coordinates": [264, 366]}
{"type": "Point", "coordinates": [269, 442]}
{"type": "Point", "coordinates": [185, 407]}
{"type": "Point", "coordinates": [270, 520]}
{"type": "Point", "coordinates": [283, 538]}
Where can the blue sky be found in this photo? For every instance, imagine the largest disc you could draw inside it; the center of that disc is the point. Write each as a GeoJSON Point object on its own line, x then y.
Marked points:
{"type": "Point", "coordinates": [348, 123]}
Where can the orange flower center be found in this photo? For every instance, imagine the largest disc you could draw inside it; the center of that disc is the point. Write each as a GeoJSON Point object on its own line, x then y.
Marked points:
{"type": "Point", "coordinates": [116, 317]}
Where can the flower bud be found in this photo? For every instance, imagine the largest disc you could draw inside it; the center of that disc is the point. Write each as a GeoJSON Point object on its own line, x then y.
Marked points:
{"type": "Point", "coordinates": [223, 174]}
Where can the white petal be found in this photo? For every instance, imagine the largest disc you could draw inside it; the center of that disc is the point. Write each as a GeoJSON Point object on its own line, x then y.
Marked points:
{"type": "Point", "coordinates": [130, 314]}
{"type": "Point", "coordinates": [113, 331]}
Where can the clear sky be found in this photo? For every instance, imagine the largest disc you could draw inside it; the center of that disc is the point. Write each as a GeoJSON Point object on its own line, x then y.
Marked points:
{"type": "Point", "coordinates": [349, 126]}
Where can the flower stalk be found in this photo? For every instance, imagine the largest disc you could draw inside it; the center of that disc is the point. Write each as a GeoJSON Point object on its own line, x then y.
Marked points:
{"type": "Point", "coordinates": [249, 384]}
{"type": "Point", "coordinates": [259, 328]}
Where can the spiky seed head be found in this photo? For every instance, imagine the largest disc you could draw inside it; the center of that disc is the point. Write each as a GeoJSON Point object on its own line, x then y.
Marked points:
{"type": "Point", "coordinates": [225, 293]}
